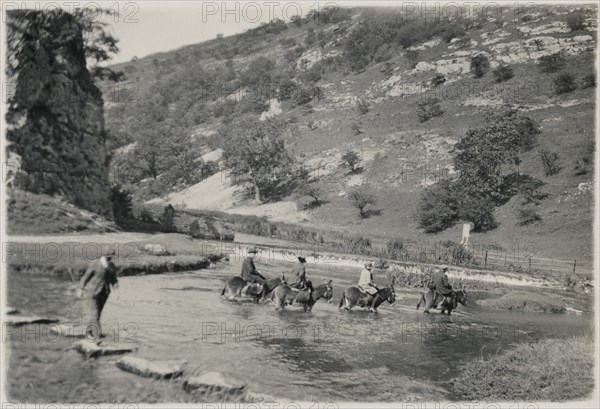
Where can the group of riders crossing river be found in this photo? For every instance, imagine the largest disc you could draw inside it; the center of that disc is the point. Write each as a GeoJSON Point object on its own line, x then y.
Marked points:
{"type": "Point", "coordinates": [365, 294]}
{"type": "Point", "coordinates": [100, 279]}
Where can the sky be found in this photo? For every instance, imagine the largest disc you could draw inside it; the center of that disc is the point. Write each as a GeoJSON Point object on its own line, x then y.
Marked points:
{"type": "Point", "coordinates": [145, 28]}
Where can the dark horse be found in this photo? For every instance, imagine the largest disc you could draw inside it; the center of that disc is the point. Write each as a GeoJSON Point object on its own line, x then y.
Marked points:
{"type": "Point", "coordinates": [353, 296]}
{"type": "Point", "coordinates": [324, 291]}
{"type": "Point", "coordinates": [447, 303]}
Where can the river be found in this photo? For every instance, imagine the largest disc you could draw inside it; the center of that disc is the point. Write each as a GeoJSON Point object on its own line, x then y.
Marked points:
{"type": "Point", "coordinates": [399, 354]}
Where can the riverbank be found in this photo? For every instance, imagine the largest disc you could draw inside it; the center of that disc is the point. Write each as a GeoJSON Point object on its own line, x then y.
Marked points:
{"type": "Point", "coordinates": [135, 254]}
{"type": "Point", "coordinates": [68, 254]}
{"type": "Point", "coordinates": [549, 370]}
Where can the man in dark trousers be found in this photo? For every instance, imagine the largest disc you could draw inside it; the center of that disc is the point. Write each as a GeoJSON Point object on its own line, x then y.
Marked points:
{"type": "Point", "coordinates": [249, 272]}
{"type": "Point", "coordinates": [100, 278]}
{"type": "Point", "coordinates": [441, 285]}
{"type": "Point", "coordinates": [298, 274]}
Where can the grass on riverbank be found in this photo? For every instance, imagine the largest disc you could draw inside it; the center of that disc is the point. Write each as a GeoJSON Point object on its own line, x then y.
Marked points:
{"type": "Point", "coordinates": [548, 370]}
{"type": "Point", "coordinates": [525, 301]}
{"type": "Point", "coordinates": [70, 259]}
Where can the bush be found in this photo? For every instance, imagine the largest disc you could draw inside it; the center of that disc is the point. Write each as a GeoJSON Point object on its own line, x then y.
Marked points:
{"type": "Point", "coordinates": [576, 21]}
{"type": "Point", "coordinates": [351, 160]}
{"type": "Point", "coordinates": [522, 373]}
{"type": "Point", "coordinates": [448, 31]}
{"type": "Point", "coordinates": [428, 109]}
{"type": "Point", "coordinates": [503, 73]}
{"type": "Point", "coordinates": [412, 56]}
{"type": "Point", "coordinates": [549, 162]}
{"type": "Point", "coordinates": [363, 105]}
{"type": "Point", "coordinates": [356, 128]}
{"type": "Point", "coordinates": [387, 69]}
{"type": "Point", "coordinates": [552, 62]}
{"type": "Point", "coordinates": [588, 81]}
{"type": "Point", "coordinates": [528, 216]}
{"type": "Point", "coordinates": [480, 64]}
{"type": "Point", "coordinates": [395, 248]}
{"type": "Point", "coordinates": [564, 83]}
{"type": "Point", "coordinates": [439, 79]}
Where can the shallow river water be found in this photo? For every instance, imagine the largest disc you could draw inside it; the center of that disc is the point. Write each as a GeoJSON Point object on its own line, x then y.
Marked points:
{"type": "Point", "coordinates": [326, 355]}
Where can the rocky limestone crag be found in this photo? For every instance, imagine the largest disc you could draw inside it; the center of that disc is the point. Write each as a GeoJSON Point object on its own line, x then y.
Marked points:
{"type": "Point", "coordinates": [55, 112]}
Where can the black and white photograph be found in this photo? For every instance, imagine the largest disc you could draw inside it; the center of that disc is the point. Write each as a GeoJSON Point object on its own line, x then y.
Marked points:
{"type": "Point", "coordinates": [299, 204]}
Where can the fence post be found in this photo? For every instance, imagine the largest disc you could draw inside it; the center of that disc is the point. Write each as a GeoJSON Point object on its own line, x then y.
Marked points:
{"type": "Point", "coordinates": [529, 265]}
{"type": "Point", "coordinates": [574, 265]}
{"type": "Point", "coordinates": [485, 260]}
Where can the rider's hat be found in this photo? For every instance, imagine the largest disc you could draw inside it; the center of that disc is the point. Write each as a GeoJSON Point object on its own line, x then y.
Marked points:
{"type": "Point", "coordinates": [444, 268]}
{"type": "Point", "coordinates": [110, 253]}
{"type": "Point", "coordinates": [302, 259]}
{"type": "Point", "coordinates": [369, 265]}
{"type": "Point", "coordinates": [252, 249]}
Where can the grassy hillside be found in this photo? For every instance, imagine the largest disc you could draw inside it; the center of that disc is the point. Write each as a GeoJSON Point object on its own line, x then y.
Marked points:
{"type": "Point", "coordinates": [204, 87]}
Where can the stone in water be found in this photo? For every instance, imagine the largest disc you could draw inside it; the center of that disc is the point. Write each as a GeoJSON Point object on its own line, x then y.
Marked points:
{"type": "Point", "coordinates": [150, 369]}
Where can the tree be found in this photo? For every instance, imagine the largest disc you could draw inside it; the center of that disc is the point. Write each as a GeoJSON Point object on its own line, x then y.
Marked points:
{"type": "Point", "coordinates": [254, 151]}
{"type": "Point", "coordinates": [361, 198]}
{"type": "Point", "coordinates": [503, 73]}
{"type": "Point", "coordinates": [480, 64]}
{"type": "Point", "coordinates": [438, 208]}
{"type": "Point", "coordinates": [428, 109]}
{"type": "Point", "coordinates": [259, 73]}
{"type": "Point", "coordinates": [576, 21]}
{"type": "Point", "coordinates": [312, 190]}
{"type": "Point", "coordinates": [564, 83]}
{"type": "Point", "coordinates": [552, 62]}
{"type": "Point", "coordinates": [549, 162]}
{"type": "Point", "coordinates": [481, 185]}
{"type": "Point", "coordinates": [99, 44]}
{"type": "Point", "coordinates": [351, 160]}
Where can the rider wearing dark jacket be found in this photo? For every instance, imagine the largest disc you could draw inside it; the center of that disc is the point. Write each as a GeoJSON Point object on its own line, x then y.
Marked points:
{"type": "Point", "coordinates": [440, 281]}
{"type": "Point", "coordinates": [441, 284]}
{"type": "Point", "coordinates": [249, 272]}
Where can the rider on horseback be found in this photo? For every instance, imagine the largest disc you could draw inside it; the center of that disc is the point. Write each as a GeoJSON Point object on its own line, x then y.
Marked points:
{"type": "Point", "coordinates": [299, 272]}
{"type": "Point", "coordinates": [366, 284]}
{"type": "Point", "coordinates": [442, 286]}
{"type": "Point", "coordinates": [249, 272]}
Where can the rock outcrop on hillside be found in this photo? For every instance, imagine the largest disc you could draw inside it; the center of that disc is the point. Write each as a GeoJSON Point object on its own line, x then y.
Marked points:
{"type": "Point", "coordinates": [55, 116]}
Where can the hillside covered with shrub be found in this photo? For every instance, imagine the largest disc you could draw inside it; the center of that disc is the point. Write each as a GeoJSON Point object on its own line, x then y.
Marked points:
{"type": "Point", "coordinates": [370, 122]}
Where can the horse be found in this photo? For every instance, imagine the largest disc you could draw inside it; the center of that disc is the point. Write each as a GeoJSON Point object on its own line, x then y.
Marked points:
{"type": "Point", "coordinates": [270, 285]}
{"type": "Point", "coordinates": [324, 291]}
{"type": "Point", "coordinates": [353, 296]}
{"type": "Point", "coordinates": [427, 299]}
{"type": "Point", "coordinates": [237, 286]}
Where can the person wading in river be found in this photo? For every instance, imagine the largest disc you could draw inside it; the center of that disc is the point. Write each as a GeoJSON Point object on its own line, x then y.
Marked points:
{"type": "Point", "coordinates": [100, 277]}
{"type": "Point", "coordinates": [249, 273]}
{"type": "Point", "coordinates": [366, 284]}
{"type": "Point", "coordinates": [442, 286]}
{"type": "Point", "coordinates": [299, 272]}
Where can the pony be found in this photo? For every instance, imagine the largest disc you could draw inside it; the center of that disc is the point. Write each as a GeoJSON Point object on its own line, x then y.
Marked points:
{"type": "Point", "coordinates": [353, 296]}
{"type": "Point", "coordinates": [445, 303]}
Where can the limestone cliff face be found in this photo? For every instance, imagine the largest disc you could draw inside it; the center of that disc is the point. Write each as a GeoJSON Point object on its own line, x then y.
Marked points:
{"type": "Point", "coordinates": [55, 116]}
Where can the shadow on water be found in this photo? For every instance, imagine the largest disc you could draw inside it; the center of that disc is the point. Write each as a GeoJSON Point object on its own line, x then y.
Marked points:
{"type": "Point", "coordinates": [398, 354]}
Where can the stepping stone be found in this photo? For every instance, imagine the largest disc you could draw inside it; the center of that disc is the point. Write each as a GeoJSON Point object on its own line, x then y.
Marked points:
{"type": "Point", "coordinates": [11, 311]}
{"type": "Point", "coordinates": [68, 330]}
{"type": "Point", "coordinates": [18, 320]}
{"type": "Point", "coordinates": [215, 387]}
{"type": "Point", "coordinates": [151, 369]}
{"type": "Point", "coordinates": [94, 349]}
